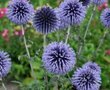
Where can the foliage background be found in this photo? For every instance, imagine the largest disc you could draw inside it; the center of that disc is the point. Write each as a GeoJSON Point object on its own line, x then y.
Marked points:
{"type": "Point", "coordinates": [20, 72]}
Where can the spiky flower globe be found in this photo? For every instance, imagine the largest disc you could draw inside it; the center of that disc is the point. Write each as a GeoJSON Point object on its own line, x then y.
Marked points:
{"type": "Point", "coordinates": [85, 2]}
{"type": "Point", "coordinates": [63, 25]}
{"type": "Point", "coordinates": [85, 79]}
{"type": "Point", "coordinates": [20, 11]}
{"type": "Point", "coordinates": [59, 58]}
{"type": "Point", "coordinates": [5, 64]}
{"type": "Point", "coordinates": [105, 17]}
{"type": "Point", "coordinates": [72, 12]}
{"type": "Point", "coordinates": [45, 20]}
{"type": "Point", "coordinates": [99, 2]}
{"type": "Point", "coordinates": [92, 66]}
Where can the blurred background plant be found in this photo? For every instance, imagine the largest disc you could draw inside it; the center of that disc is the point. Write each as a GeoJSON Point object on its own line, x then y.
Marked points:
{"type": "Point", "coordinates": [12, 42]}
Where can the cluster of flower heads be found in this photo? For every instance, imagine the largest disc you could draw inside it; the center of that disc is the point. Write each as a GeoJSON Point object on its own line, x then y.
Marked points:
{"type": "Point", "coordinates": [59, 58]}
{"type": "Point", "coordinates": [46, 20]}
{"type": "Point", "coordinates": [105, 17]}
{"type": "Point", "coordinates": [20, 11]}
{"type": "Point", "coordinates": [87, 77]}
{"type": "Point", "coordinates": [5, 64]}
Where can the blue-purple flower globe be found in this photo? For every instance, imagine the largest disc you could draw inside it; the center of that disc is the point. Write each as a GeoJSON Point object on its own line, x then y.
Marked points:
{"type": "Point", "coordinates": [5, 64]}
{"type": "Point", "coordinates": [20, 11]}
{"type": "Point", "coordinates": [98, 2]}
{"type": "Point", "coordinates": [85, 2]}
{"type": "Point", "coordinates": [105, 17]}
{"type": "Point", "coordinates": [46, 20]}
{"type": "Point", "coordinates": [63, 25]}
{"type": "Point", "coordinates": [72, 12]}
{"type": "Point", "coordinates": [85, 79]}
{"type": "Point", "coordinates": [92, 66]}
{"type": "Point", "coordinates": [59, 58]}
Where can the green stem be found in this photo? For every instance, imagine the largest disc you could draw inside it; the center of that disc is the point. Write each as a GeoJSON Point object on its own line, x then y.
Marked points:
{"type": "Point", "coordinates": [69, 77]}
{"type": "Point", "coordinates": [4, 85]}
{"type": "Point", "coordinates": [87, 29]}
{"type": "Point", "coordinates": [68, 33]}
{"type": "Point", "coordinates": [89, 23]}
{"type": "Point", "coordinates": [57, 82]}
{"type": "Point", "coordinates": [44, 41]}
{"type": "Point", "coordinates": [46, 77]}
{"type": "Point", "coordinates": [28, 54]}
{"type": "Point", "coordinates": [58, 36]}
{"type": "Point", "coordinates": [25, 43]}
{"type": "Point", "coordinates": [56, 85]}
{"type": "Point", "coordinates": [102, 40]}
{"type": "Point", "coordinates": [99, 45]}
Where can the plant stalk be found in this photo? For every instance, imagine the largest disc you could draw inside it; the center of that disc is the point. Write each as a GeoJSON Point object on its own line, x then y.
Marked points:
{"type": "Point", "coordinates": [86, 31]}
{"type": "Point", "coordinates": [46, 77]}
{"type": "Point", "coordinates": [102, 40]}
{"type": "Point", "coordinates": [28, 54]}
{"type": "Point", "coordinates": [3, 85]}
{"type": "Point", "coordinates": [68, 33]}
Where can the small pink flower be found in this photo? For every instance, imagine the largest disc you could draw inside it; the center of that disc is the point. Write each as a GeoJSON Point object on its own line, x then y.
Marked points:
{"type": "Point", "coordinates": [2, 12]}
{"type": "Point", "coordinates": [18, 33]}
{"type": "Point", "coordinates": [5, 35]}
{"type": "Point", "coordinates": [103, 6]}
{"type": "Point", "coordinates": [107, 52]}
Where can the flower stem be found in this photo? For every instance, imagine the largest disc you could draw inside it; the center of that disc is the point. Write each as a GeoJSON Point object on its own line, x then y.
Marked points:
{"type": "Point", "coordinates": [28, 54]}
{"type": "Point", "coordinates": [68, 33]}
{"type": "Point", "coordinates": [57, 83]}
{"type": "Point", "coordinates": [4, 85]}
{"type": "Point", "coordinates": [46, 77]}
{"type": "Point", "coordinates": [58, 36]}
{"type": "Point", "coordinates": [44, 41]}
{"type": "Point", "coordinates": [87, 29]}
{"type": "Point", "coordinates": [102, 40]}
{"type": "Point", "coordinates": [25, 43]}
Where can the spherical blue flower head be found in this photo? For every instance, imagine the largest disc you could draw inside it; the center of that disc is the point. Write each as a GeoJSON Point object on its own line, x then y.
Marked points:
{"type": "Point", "coordinates": [20, 11]}
{"type": "Point", "coordinates": [98, 2]}
{"type": "Point", "coordinates": [72, 12]}
{"type": "Point", "coordinates": [85, 79]}
{"type": "Point", "coordinates": [93, 66]}
{"type": "Point", "coordinates": [5, 64]}
{"type": "Point", "coordinates": [105, 17]}
{"type": "Point", "coordinates": [63, 25]}
{"type": "Point", "coordinates": [45, 20]}
{"type": "Point", "coordinates": [85, 2]}
{"type": "Point", "coordinates": [59, 58]}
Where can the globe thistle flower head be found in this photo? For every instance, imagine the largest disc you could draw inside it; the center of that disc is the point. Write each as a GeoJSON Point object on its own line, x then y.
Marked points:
{"type": "Point", "coordinates": [72, 12]}
{"type": "Point", "coordinates": [85, 2]}
{"type": "Point", "coordinates": [46, 20]}
{"type": "Point", "coordinates": [85, 79]}
{"type": "Point", "coordinates": [20, 11]}
{"type": "Point", "coordinates": [105, 17]}
{"type": "Point", "coordinates": [59, 58]}
{"type": "Point", "coordinates": [5, 64]}
{"type": "Point", "coordinates": [92, 66]}
{"type": "Point", "coordinates": [99, 2]}
{"type": "Point", "coordinates": [63, 25]}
